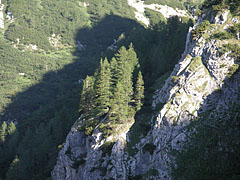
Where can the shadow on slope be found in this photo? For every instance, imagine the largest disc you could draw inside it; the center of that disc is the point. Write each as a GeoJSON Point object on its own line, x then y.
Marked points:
{"type": "Point", "coordinates": [46, 111]}
{"type": "Point", "coordinates": [213, 150]}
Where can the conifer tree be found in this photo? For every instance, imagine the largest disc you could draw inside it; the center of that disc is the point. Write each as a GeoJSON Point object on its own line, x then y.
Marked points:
{"type": "Point", "coordinates": [121, 58]}
{"type": "Point", "coordinates": [11, 128]}
{"type": "Point", "coordinates": [102, 87]}
{"type": "Point", "coordinates": [3, 132]}
{"type": "Point", "coordinates": [88, 95]}
{"type": "Point", "coordinates": [13, 170]}
{"type": "Point", "coordinates": [119, 109]}
{"type": "Point", "coordinates": [139, 91]}
{"type": "Point", "coordinates": [113, 67]}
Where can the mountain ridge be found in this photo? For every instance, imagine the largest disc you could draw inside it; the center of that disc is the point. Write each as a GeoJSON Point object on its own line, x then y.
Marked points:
{"type": "Point", "coordinates": [189, 91]}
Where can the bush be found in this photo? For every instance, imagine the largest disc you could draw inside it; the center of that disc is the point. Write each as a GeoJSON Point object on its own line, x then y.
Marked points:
{"type": "Point", "coordinates": [149, 147]}
{"type": "Point", "coordinates": [106, 148]}
{"type": "Point", "coordinates": [174, 79]}
{"type": "Point", "coordinates": [234, 48]}
{"type": "Point", "coordinates": [232, 70]}
{"type": "Point", "coordinates": [201, 28]}
{"type": "Point", "coordinates": [223, 35]}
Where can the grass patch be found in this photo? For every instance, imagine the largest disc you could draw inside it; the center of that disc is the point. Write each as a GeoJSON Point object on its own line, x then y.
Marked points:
{"type": "Point", "coordinates": [195, 63]}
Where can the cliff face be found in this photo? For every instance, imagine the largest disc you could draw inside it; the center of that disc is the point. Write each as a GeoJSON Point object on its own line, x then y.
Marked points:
{"type": "Point", "coordinates": [203, 80]}
{"type": "Point", "coordinates": [1, 15]}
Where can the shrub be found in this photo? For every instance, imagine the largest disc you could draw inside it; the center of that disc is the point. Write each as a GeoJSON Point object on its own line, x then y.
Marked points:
{"type": "Point", "coordinates": [232, 70]}
{"type": "Point", "coordinates": [234, 48]}
{"type": "Point", "coordinates": [106, 148]}
{"type": "Point", "coordinates": [174, 79]}
{"type": "Point", "coordinates": [201, 28]}
{"type": "Point", "coordinates": [223, 35]}
{"type": "Point", "coordinates": [149, 147]}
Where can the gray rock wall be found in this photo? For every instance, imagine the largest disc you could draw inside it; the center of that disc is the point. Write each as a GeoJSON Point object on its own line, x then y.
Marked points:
{"type": "Point", "coordinates": [191, 89]}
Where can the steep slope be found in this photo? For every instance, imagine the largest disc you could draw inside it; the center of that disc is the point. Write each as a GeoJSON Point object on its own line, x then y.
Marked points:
{"type": "Point", "coordinates": [166, 11]}
{"type": "Point", "coordinates": [205, 78]}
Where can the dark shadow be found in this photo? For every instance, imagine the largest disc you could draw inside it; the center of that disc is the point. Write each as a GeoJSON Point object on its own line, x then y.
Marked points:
{"type": "Point", "coordinates": [213, 150]}
{"type": "Point", "coordinates": [45, 112]}
{"type": "Point", "coordinates": [58, 84]}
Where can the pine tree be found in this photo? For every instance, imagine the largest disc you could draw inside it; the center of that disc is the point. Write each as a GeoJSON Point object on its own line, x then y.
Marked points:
{"type": "Point", "coordinates": [103, 87]}
{"type": "Point", "coordinates": [132, 57]}
{"type": "Point", "coordinates": [139, 91]}
{"type": "Point", "coordinates": [3, 132]}
{"type": "Point", "coordinates": [11, 128]}
{"type": "Point", "coordinates": [13, 171]}
{"type": "Point", "coordinates": [113, 67]}
{"type": "Point", "coordinates": [119, 110]}
{"type": "Point", "coordinates": [88, 95]}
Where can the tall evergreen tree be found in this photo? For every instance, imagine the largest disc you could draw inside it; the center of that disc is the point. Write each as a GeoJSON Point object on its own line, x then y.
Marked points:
{"type": "Point", "coordinates": [13, 171]}
{"type": "Point", "coordinates": [103, 86]}
{"type": "Point", "coordinates": [113, 67]}
{"type": "Point", "coordinates": [119, 110]}
{"type": "Point", "coordinates": [3, 132]}
{"type": "Point", "coordinates": [88, 95]}
{"type": "Point", "coordinates": [11, 128]}
{"type": "Point", "coordinates": [139, 91]}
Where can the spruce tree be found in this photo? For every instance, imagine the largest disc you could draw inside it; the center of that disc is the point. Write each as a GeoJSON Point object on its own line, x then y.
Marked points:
{"type": "Point", "coordinates": [13, 171]}
{"type": "Point", "coordinates": [119, 110]}
{"type": "Point", "coordinates": [3, 132]}
{"type": "Point", "coordinates": [88, 95]}
{"type": "Point", "coordinates": [11, 128]}
{"type": "Point", "coordinates": [139, 91]}
{"type": "Point", "coordinates": [113, 67]}
{"type": "Point", "coordinates": [103, 87]}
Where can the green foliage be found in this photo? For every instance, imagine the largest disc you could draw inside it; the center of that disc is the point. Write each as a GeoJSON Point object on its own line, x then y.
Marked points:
{"type": "Point", "coordinates": [181, 4]}
{"type": "Point", "coordinates": [154, 17]}
{"type": "Point", "coordinates": [235, 28]}
{"type": "Point", "coordinates": [3, 132]}
{"type": "Point", "coordinates": [174, 79]}
{"type": "Point", "coordinates": [223, 35]}
{"type": "Point", "coordinates": [234, 48]}
{"type": "Point", "coordinates": [139, 91]}
{"type": "Point", "coordinates": [14, 169]}
{"type": "Point", "coordinates": [195, 63]}
{"type": "Point", "coordinates": [149, 147]}
{"type": "Point", "coordinates": [46, 97]}
{"type": "Point", "coordinates": [110, 91]}
{"type": "Point", "coordinates": [106, 148]}
{"type": "Point", "coordinates": [78, 162]}
{"type": "Point", "coordinates": [201, 28]}
{"type": "Point", "coordinates": [11, 128]}
{"type": "Point", "coordinates": [103, 87]}
{"type": "Point", "coordinates": [232, 70]}
{"type": "Point", "coordinates": [219, 5]}
{"type": "Point", "coordinates": [89, 126]}
{"type": "Point", "coordinates": [212, 152]}
{"type": "Point", "coordinates": [87, 100]}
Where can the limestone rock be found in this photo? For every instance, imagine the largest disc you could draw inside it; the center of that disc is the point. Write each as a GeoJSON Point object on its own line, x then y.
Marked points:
{"type": "Point", "coordinates": [1, 15]}
{"type": "Point", "coordinates": [200, 84]}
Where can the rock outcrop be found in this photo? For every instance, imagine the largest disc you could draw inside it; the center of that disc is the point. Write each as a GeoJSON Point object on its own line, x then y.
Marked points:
{"type": "Point", "coordinates": [199, 82]}
{"type": "Point", "coordinates": [1, 15]}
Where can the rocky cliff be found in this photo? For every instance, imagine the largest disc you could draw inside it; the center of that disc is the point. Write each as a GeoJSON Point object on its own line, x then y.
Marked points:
{"type": "Point", "coordinates": [1, 15]}
{"type": "Point", "coordinates": [204, 79]}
